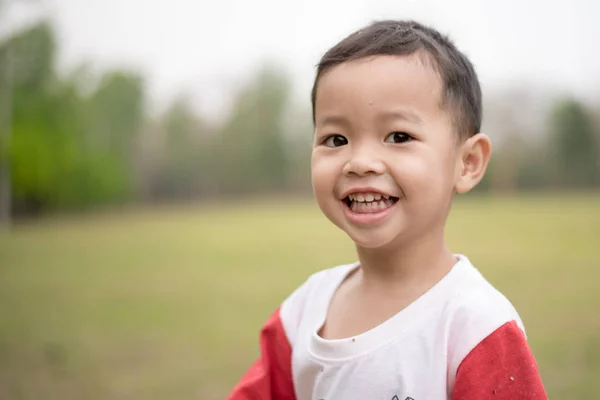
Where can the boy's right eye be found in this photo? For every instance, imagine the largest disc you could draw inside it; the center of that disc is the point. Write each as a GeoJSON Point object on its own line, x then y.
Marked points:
{"type": "Point", "coordinates": [335, 141]}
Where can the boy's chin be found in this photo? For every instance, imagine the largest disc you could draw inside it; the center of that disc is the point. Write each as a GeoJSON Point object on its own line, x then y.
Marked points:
{"type": "Point", "coordinates": [371, 241]}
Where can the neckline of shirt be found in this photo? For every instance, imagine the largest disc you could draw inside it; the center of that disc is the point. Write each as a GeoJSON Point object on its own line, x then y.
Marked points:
{"type": "Point", "coordinates": [333, 350]}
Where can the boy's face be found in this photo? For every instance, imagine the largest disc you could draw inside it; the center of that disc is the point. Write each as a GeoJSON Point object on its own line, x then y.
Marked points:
{"type": "Point", "coordinates": [385, 158]}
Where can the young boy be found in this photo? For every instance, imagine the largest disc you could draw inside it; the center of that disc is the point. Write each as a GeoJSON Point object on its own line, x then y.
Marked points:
{"type": "Point", "coordinates": [397, 115]}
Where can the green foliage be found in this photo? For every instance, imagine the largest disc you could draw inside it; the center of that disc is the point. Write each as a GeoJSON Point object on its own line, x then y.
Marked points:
{"type": "Point", "coordinates": [115, 111]}
{"type": "Point", "coordinates": [32, 52]}
{"type": "Point", "coordinates": [113, 115]}
{"type": "Point", "coordinates": [67, 150]}
{"type": "Point", "coordinates": [72, 149]}
{"type": "Point", "coordinates": [574, 150]}
{"type": "Point", "coordinates": [252, 147]}
{"type": "Point", "coordinates": [186, 167]}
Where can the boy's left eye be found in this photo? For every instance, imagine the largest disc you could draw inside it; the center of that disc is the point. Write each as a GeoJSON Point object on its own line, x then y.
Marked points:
{"type": "Point", "coordinates": [398, 137]}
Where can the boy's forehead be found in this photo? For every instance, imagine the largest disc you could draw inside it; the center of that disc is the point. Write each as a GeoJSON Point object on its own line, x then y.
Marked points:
{"type": "Point", "coordinates": [382, 82]}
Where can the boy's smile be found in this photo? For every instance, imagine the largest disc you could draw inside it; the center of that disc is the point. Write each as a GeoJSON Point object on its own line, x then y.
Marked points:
{"type": "Point", "coordinates": [385, 155]}
{"type": "Point", "coordinates": [367, 205]}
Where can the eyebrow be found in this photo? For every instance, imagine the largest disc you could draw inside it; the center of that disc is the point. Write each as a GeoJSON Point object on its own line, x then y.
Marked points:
{"type": "Point", "coordinates": [405, 115]}
{"type": "Point", "coordinates": [333, 120]}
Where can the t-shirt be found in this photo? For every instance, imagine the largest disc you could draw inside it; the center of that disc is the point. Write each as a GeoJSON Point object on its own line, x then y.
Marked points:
{"type": "Point", "coordinates": [462, 339]}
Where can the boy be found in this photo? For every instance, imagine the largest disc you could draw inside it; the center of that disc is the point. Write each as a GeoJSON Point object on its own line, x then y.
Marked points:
{"type": "Point", "coordinates": [397, 116]}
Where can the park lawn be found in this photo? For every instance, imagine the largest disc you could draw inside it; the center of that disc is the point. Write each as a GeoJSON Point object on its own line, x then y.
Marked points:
{"type": "Point", "coordinates": [167, 303]}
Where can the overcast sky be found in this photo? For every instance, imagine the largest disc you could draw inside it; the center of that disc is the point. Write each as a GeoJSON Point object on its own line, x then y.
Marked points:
{"type": "Point", "coordinates": [206, 47]}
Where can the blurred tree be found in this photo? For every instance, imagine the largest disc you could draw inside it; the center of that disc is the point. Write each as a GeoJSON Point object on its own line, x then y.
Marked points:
{"type": "Point", "coordinates": [508, 139]}
{"type": "Point", "coordinates": [573, 146]}
{"type": "Point", "coordinates": [505, 172]}
{"type": "Point", "coordinates": [113, 114]}
{"type": "Point", "coordinates": [597, 138]}
{"type": "Point", "coordinates": [186, 169]}
{"type": "Point", "coordinates": [68, 149]}
{"type": "Point", "coordinates": [5, 135]}
{"type": "Point", "coordinates": [116, 110]}
{"type": "Point", "coordinates": [533, 167]}
{"type": "Point", "coordinates": [299, 130]}
{"type": "Point", "coordinates": [32, 151]}
{"type": "Point", "coordinates": [252, 147]}
{"type": "Point", "coordinates": [6, 110]}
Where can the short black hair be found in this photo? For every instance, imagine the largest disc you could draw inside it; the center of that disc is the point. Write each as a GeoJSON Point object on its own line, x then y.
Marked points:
{"type": "Point", "coordinates": [461, 91]}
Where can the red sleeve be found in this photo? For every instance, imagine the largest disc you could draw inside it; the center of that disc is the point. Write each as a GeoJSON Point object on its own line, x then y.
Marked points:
{"type": "Point", "coordinates": [270, 377]}
{"type": "Point", "coordinates": [501, 367]}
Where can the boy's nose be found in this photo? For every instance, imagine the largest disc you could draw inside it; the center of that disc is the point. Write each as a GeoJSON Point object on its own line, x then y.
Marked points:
{"type": "Point", "coordinates": [363, 164]}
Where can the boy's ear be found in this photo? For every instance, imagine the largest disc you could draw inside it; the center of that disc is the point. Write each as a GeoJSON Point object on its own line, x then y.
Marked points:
{"type": "Point", "coordinates": [473, 158]}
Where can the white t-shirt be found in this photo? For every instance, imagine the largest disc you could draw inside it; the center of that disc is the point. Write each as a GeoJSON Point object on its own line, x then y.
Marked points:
{"type": "Point", "coordinates": [462, 338]}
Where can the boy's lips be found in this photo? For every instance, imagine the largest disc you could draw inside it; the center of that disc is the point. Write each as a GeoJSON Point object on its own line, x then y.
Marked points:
{"type": "Point", "coordinates": [368, 214]}
{"type": "Point", "coordinates": [367, 205]}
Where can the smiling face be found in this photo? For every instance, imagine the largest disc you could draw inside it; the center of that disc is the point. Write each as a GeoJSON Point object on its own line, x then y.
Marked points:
{"type": "Point", "coordinates": [386, 160]}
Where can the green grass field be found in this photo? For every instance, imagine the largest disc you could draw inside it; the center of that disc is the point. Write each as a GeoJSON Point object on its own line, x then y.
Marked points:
{"type": "Point", "coordinates": [167, 304]}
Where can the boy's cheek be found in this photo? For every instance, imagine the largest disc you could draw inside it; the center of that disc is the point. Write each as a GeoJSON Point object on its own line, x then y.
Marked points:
{"type": "Point", "coordinates": [324, 171]}
{"type": "Point", "coordinates": [416, 174]}
{"type": "Point", "coordinates": [323, 185]}
{"type": "Point", "coordinates": [425, 182]}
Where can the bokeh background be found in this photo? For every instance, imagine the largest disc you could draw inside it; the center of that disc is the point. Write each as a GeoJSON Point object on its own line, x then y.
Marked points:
{"type": "Point", "coordinates": [155, 199]}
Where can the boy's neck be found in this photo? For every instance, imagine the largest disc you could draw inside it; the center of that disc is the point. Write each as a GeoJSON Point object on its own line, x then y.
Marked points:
{"type": "Point", "coordinates": [420, 262]}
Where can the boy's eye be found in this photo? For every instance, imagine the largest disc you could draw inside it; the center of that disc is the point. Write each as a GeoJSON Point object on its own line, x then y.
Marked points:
{"type": "Point", "coordinates": [398, 137]}
{"type": "Point", "coordinates": [335, 141]}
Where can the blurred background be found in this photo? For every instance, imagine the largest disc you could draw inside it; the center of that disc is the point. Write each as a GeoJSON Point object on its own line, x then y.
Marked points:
{"type": "Point", "coordinates": [155, 197]}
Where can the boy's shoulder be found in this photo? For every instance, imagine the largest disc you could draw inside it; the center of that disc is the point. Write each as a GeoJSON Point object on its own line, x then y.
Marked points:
{"type": "Point", "coordinates": [474, 300]}
{"type": "Point", "coordinates": [314, 293]}
{"type": "Point", "coordinates": [476, 310]}
{"type": "Point", "coordinates": [327, 277]}
{"type": "Point", "coordinates": [322, 282]}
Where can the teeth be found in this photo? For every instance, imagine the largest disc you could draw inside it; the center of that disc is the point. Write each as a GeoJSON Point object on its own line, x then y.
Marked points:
{"type": "Point", "coordinates": [370, 207]}
{"type": "Point", "coordinates": [368, 197]}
